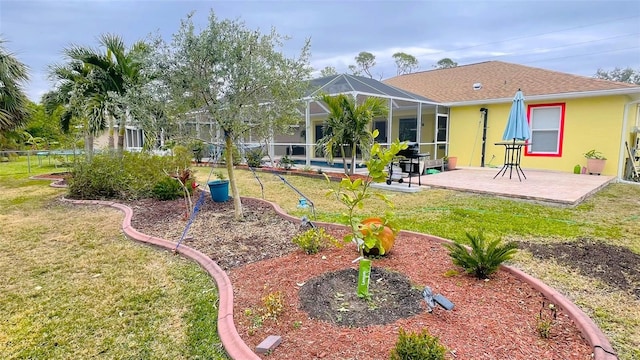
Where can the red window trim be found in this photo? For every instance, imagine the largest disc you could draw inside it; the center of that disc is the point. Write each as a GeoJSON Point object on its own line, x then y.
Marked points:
{"type": "Point", "coordinates": [560, 135]}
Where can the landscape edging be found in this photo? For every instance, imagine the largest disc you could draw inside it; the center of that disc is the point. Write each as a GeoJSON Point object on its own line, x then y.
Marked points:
{"type": "Point", "coordinates": [231, 341]}
{"type": "Point", "coordinates": [237, 349]}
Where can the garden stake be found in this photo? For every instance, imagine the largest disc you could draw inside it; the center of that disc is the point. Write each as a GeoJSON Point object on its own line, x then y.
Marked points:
{"type": "Point", "coordinates": [191, 218]}
{"type": "Point", "coordinates": [364, 274]}
{"type": "Point", "coordinates": [313, 208]}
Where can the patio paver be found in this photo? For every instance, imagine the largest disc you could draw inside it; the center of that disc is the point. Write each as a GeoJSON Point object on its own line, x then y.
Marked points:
{"type": "Point", "coordinates": [540, 186]}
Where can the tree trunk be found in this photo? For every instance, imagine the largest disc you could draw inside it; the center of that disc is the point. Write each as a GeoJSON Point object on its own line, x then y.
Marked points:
{"type": "Point", "coordinates": [121, 132]}
{"type": "Point", "coordinates": [237, 204]}
{"type": "Point", "coordinates": [353, 159]}
{"type": "Point", "coordinates": [344, 160]}
{"type": "Point", "coordinates": [111, 134]}
{"type": "Point", "coordinates": [88, 146]}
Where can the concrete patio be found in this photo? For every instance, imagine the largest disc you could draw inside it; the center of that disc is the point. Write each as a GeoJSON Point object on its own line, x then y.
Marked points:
{"type": "Point", "coordinates": [540, 186]}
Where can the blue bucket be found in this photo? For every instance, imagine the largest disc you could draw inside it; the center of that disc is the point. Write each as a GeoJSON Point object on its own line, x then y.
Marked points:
{"type": "Point", "coordinates": [219, 190]}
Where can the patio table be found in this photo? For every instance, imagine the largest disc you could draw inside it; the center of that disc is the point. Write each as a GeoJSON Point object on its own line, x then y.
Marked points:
{"type": "Point", "coordinates": [512, 156]}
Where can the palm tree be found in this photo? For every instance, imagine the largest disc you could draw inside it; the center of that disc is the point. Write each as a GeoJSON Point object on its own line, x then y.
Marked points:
{"type": "Point", "coordinates": [122, 71]}
{"type": "Point", "coordinates": [80, 92]}
{"type": "Point", "coordinates": [348, 126]}
{"type": "Point", "coordinates": [14, 112]}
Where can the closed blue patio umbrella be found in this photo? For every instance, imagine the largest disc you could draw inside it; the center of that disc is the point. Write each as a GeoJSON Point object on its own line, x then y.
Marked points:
{"type": "Point", "coordinates": [517, 129]}
{"type": "Point", "coordinates": [517, 123]}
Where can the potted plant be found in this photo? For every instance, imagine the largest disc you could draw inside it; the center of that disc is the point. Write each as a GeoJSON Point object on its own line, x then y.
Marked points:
{"type": "Point", "coordinates": [219, 187]}
{"type": "Point", "coordinates": [286, 162]}
{"type": "Point", "coordinates": [450, 162]}
{"type": "Point", "coordinates": [595, 161]}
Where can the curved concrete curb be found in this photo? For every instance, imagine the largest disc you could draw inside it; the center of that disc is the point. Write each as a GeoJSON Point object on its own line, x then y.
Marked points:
{"type": "Point", "coordinates": [233, 344]}
{"type": "Point", "coordinates": [55, 182]}
{"type": "Point", "coordinates": [238, 350]}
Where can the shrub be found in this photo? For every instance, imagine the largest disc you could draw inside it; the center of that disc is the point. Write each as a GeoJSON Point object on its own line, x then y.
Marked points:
{"type": "Point", "coordinates": [254, 157]}
{"type": "Point", "coordinates": [129, 176]}
{"type": "Point", "coordinates": [313, 240]}
{"type": "Point", "coordinates": [197, 148]}
{"type": "Point", "coordinates": [415, 346]}
{"type": "Point", "coordinates": [483, 259]}
{"type": "Point", "coordinates": [167, 189]}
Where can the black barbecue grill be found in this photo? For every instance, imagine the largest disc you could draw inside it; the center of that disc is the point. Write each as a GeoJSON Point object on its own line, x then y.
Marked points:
{"type": "Point", "coordinates": [406, 157]}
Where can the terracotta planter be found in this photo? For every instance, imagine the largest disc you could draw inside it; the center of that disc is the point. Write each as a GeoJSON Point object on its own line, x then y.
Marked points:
{"type": "Point", "coordinates": [386, 235]}
{"type": "Point", "coordinates": [453, 161]}
{"type": "Point", "coordinates": [595, 166]}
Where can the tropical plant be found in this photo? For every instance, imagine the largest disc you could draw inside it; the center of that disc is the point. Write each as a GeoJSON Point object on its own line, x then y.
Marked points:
{"type": "Point", "coordinates": [483, 259]}
{"type": "Point", "coordinates": [417, 346]}
{"type": "Point", "coordinates": [79, 92]}
{"type": "Point", "coordinates": [593, 154]}
{"type": "Point", "coordinates": [121, 69]}
{"type": "Point", "coordinates": [354, 193]}
{"type": "Point", "coordinates": [240, 77]}
{"type": "Point", "coordinates": [14, 109]}
{"type": "Point", "coordinates": [348, 126]}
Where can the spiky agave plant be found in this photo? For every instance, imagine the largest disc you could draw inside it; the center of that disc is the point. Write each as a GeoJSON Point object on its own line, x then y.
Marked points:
{"type": "Point", "coordinates": [483, 259]}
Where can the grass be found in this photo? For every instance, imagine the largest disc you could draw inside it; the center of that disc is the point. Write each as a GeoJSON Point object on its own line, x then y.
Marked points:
{"type": "Point", "coordinates": [74, 287]}
{"type": "Point", "coordinates": [611, 216]}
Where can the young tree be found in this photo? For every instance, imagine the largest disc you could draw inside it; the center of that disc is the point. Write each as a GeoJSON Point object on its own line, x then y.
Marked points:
{"type": "Point", "coordinates": [239, 77]}
{"type": "Point", "coordinates": [445, 63]}
{"type": "Point", "coordinates": [14, 110]}
{"type": "Point", "coordinates": [405, 63]}
{"type": "Point", "coordinates": [348, 125]}
{"type": "Point", "coordinates": [627, 75]}
{"type": "Point", "coordinates": [328, 71]}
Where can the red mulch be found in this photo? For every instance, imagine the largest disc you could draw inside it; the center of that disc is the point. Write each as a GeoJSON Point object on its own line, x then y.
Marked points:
{"type": "Point", "coordinates": [494, 319]}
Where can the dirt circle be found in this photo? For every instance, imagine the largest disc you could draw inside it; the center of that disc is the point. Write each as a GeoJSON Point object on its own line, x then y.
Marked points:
{"type": "Point", "coordinates": [332, 297]}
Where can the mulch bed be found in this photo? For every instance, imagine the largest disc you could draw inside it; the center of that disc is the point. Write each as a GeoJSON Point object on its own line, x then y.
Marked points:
{"type": "Point", "coordinates": [494, 319]}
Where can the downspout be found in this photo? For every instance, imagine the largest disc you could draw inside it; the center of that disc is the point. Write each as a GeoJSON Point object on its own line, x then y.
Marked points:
{"type": "Point", "coordinates": [485, 113]}
{"type": "Point", "coordinates": [307, 139]}
{"type": "Point", "coordinates": [622, 153]}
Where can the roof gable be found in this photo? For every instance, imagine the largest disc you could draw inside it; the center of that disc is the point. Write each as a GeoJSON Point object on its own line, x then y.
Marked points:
{"type": "Point", "coordinates": [498, 80]}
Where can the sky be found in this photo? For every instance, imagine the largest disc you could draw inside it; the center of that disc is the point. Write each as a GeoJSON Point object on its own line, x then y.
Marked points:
{"type": "Point", "coordinates": [572, 36]}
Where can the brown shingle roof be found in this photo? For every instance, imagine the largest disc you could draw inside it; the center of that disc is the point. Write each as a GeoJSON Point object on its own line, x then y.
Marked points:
{"type": "Point", "coordinates": [499, 80]}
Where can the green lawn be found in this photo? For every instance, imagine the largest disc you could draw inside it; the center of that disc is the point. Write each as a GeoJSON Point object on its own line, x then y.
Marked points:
{"type": "Point", "coordinates": [73, 287]}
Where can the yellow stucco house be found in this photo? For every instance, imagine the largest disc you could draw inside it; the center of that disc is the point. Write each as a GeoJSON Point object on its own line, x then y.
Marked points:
{"type": "Point", "coordinates": [568, 114]}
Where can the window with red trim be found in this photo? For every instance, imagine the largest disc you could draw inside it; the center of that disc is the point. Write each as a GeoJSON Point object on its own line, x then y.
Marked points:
{"type": "Point", "coordinates": [547, 127]}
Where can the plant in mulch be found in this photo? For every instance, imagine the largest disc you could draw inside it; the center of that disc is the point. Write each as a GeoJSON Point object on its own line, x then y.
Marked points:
{"type": "Point", "coordinates": [413, 346]}
{"type": "Point", "coordinates": [374, 235]}
{"type": "Point", "coordinates": [353, 193]}
{"type": "Point", "coordinates": [545, 320]}
{"type": "Point", "coordinates": [483, 258]}
{"type": "Point", "coordinates": [314, 240]}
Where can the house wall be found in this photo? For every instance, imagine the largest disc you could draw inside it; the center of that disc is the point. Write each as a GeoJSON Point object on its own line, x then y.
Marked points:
{"type": "Point", "coordinates": [589, 123]}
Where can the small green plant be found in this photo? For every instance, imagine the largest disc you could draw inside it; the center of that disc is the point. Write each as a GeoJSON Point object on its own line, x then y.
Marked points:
{"type": "Point", "coordinates": [412, 346]}
{"type": "Point", "coordinates": [593, 154]}
{"type": "Point", "coordinates": [484, 258]}
{"type": "Point", "coordinates": [254, 157]}
{"type": "Point", "coordinates": [354, 193]}
{"type": "Point", "coordinates": [545, 320]}
{"type": "Point", "coordinates": [273, 305]}
{"type": "Point", "coordinates": [167, 189]}
{"type": "Point", "coordinates": [314, 240]}
{"type": "Point", "coordinates": [286, 162]}
{"type": "Point", "coordinates": [307, 168]}
{"type": "Point", "coordinates": [451, 273]}
{"type": "Point", "coordinates": [297, 324]}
